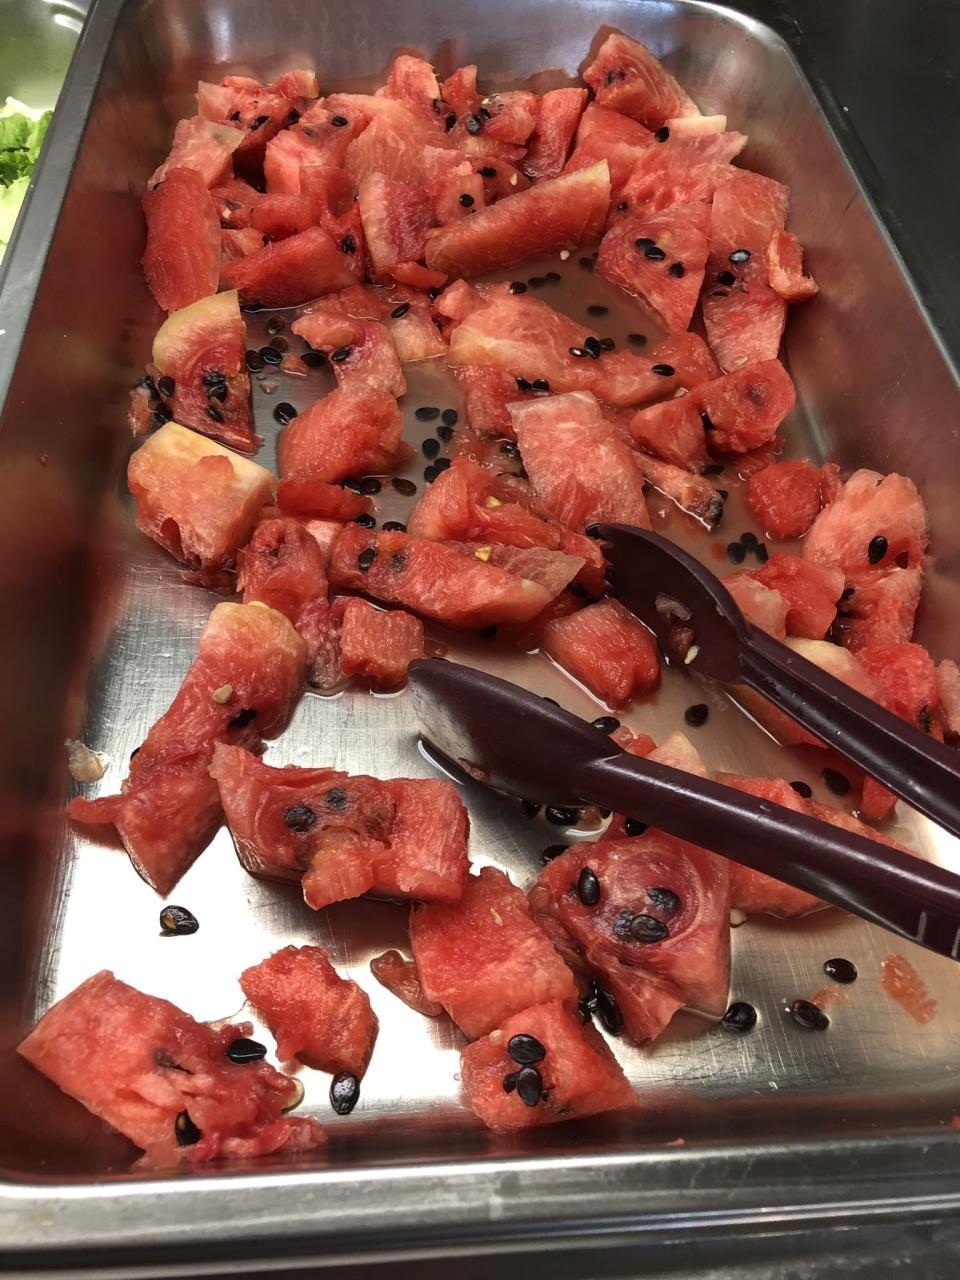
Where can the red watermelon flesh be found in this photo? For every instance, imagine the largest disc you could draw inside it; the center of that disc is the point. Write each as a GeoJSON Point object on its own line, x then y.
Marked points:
{"type": "Point", "coordinates": [168, 808]}
{"type": "Point", "coordinates": [745, 408]}
{"type": "Point", "coordinates": [625, 76]}
{"type": "Point", "coordinates": [400, 977]}
{"type": "Point", "coordinates": [236, 201]}
{"type": "Point", "coordinates": [459, 194]}
{"type": "Point", "coordinates": [258, 111]}
{"type": "Point", "coordinates": [378, 644]}
{"type": "Point", "coordinates": [138, 1063]}
{"type": "Point", "coordinates": [459, 90]}
{"type": "Point", "coordinates": [282, 566]}
{"type": "Point", "coordinates": [202, 147]}
{"type": "Point", "coordinates": [414, 80]}
{"type": "Point", "coordinates": [194, 497]}
{"type": "Point", "coordinates": [882, 609]}
{"type": "Point", "coordinates": [331, 196]}
{"type": "Point", "coordinates": [691, 964]}
{"type": "Point", "coordinates": [354, 430]}
{"type": "Point", "coordinates": [235, 245]}
{"type": "Point", "coordinates": [401, 145]}
{"type": "Point", "coordinates": [784, 498]}
{"type": "Point", "coordinates": [580, 1075]}
{"type": "Point", "coordinates": [751, 890]}
{"type": "Point", "coordinates": [202, 347]}
{"type": "Point", "coordinates": [948, 686]}
{"type": "Point", "coordinates": [319, 625]}
{"type": "Point", "coordinates": [293, 271]}
{"type": "Point", "coordinates": [764, 606]}
{"type": "Point", "coordinates": [279, 216]}
{"type": "Point", "coordinates": [668, 288]}
{"type": "Point", "coordinates": [671, 430]}
{"type": "Point", "coordinates": [434, 580]}
{"type": "Point", "coordinates": [487, 393]}
{"type": "Point", "coordinates": [483, 958]}
{"type": "Point", "coordinates": [908, 678]}
{"type": "Point", "coordinates": [678, 172]}
{"type": "Point", "coordinates": [693, 493]}
{"type": "Point", "coordinates": [316, 142]}
{"type": "Point", "coordinates": [810, 590]}
{"type": "Point", "coordinates": [314, 1014]}
{"type": "Point", "coordinates": [608, 135]}
{"type": "Point", "coordinates": [396, 218]}
{"type": "Point", "coordinates": [413, 332]}
{"type": "Point", "coordinates": [784, 262]}
{"type": "Point", "coordinates": [321, 499]}
{"type": "Point", "coordinates": [365, 349]}
{"type": "Point", "coordinates": [690, 357]}
{"type": "Point", "coordinates": [181, 260]}
{"type": "Point", "coordinates": [869, 506]}
{"type": "Point", "coordinates": [607, 649]}
{"type": "Point", "coordinates": [549, 569]}
{"type": "Point", "coordinates": [557, 213]}
{"type": "Point", "coordinates": [557, 121]}
{"type": "Point", "coordinates": [579, 468]}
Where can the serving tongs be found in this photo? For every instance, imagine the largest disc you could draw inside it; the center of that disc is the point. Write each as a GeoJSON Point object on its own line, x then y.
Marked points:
{"type": "Point", "coordinates": [524, 745]}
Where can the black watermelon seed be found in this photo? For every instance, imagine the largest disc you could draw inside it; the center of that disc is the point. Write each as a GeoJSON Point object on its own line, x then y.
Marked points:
{"type": "Point", "coordinates": [218, 391]}
{"type": "Point", "coordinates": [523, 384]}
{"type": "Point", "coordinates": [606, 724]}
{"type": "Point", "coordinates": [430, 473]}
{"type": "Point", "coordinates": [588, 887]}
{"type": "Point", "coordinates": [166, 386]}
{"type": "Point", "coordinates": [241, 720]}
{"type": "Point", "coordinates": [404, 486]}
{"type": "Point", "coordinates": [344, 1092]}
{"type": "Point", "coordinates": [537, 282]}
{"type": "Point", "coordinates": [395, 526]}
{"type": "Point", "coordinates": [339, 121]}
{"type": "Point", "coordinates": [366, 558]}
{"type": "Point", "coordinates": [450, 121]}
{"type": "Point", "coordinates": [736, 552]}
{"type": "Point", "coordinates": [351, 483]}
{"type": "Point", "coordinates": [634, 827]}
{"type": "Point", "coordinates": [561, 817]}
{"type": "Point", "coordinates": [664, 370]}
{"type": "Point", "coordinates": [450, 417]}
{"type": "Point", "coordinates": [621, 925]}
{"type": "Point", "coordinates": [148, 382]}
{"type": "Point", "coordinates": [645, 928]}
{"type": "Point", "coordinates": [808, 1015]}
{"type": "Point", "coordinates": [270, 355]}
{"type": "Point", "coordinates": [336, 799]}
{"type": "Point", "coordinates": [427, 413]}
{"type": "Point", "coordinates": [300, 817]}
{"type": "Point", "coordinates": [761, 552]}
{"type": "Point", "coordinates": [525, 1049]}
{"type": "Point", "coordinates": [876, 550]}
{"type": "Point", "coordinates": [740, 255]}
{"type": "Point", "coordinates": [518, 286]}
{"type": "Point", "coordinates": [488, 633]}
{"type": "Point", "coordinates": [622, 206]}
{"type": "Point", "coordinates": [653, 253]}
{"type": "Point", "coordinates": [509, 1082]}
{"type": "Point", "coordinates": [836, 782]}
{"type": "Point", "coordinates": [488, 171]}
{"type": "Point", "coordinates": [529, 808]}
{"type": "Point", "coordinates": [400, 311]}
{"type": "Point", "coordinates": [178, 922]}
{"type": "Point", "coordinates": [430, 447]}
{"type": "Point", "coordinates": [802, 789]}
{"type": "Point", "coordinates": [596, 309]}
{"type": "Point", "coordinates": [750, 540]}
{"type": "Point", "coordinates": [592, 347]}
{"type": "Point", "coordinates": [161, 415]}
{"type": "Point", "coordinates": [185, 1131]}
{"type": "Point", "coordinates": [840, 970]}
{"type": "Point", "coordinates": [341, 354]}
{"type": "Point", "coordinates": [348, 244]}
{"type": "Point", "coordinates": [445, 432]}
{"type": "Point", "coordinates": [584, 1012]}
{"type": "Point", "coordinates": [473, 125]}
{"type": "Point", "coordinates": [846, 593]}
{"type": "Point", "coordinates": [696, 715]}
{"type": "Point", "coordinates": [467, 200]}
{"type": "Point", "coordinates": [284, 412]}
{"type": "Point", "coordinates": [370, 485]}
{"type": "Point", "coordinates": [244, 1050]}
{"type": "Point", "coordinates": [609, 1012]}
{"type": "Point", "coordinates": [644, 242]}
{"type": "Point", "coordinates": [365, 520]}
{"type": "Point", "coordinates": [540, 384]}
{"type": "Point", "coordinates": [726, 278]}
{"type": "Point", "coordinates": [664, 900]}
{"type": "Point", "coordinates": [740, 1016]}
{"type": "Point", "coordinates": [510, 448]}
{"type": "Point", "coordinates": [529, 1086]}
{"type": "Point", "coordinates": [607, 344]}
{"type": "Point", "coordinates": [214, 378]}
{"type": "Point", "coordinates": [677, 270]}
{"type": "Point", "coordinates": [235, 116]}
{"type": "Point", "coordinates": [637, 339]}
{"type": "Point", "coordinates": [586, 264]}
{"type": "Point", "coordinates": [553, 851]}
{"type": "Point", "coordinates": [275, 324]}
{"type": "Point", "coordinates": [663, 134]}
{"type": "Point", "coordinates": [312, 359]}
{"type": "Point", "coordinates": [442, 464]}
{"type": "Point", "coordinates": [214, 412]}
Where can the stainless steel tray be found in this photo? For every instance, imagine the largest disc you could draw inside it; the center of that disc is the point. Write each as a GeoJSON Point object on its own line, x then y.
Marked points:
{"type": "Point", "coordinates": [775, 1127]}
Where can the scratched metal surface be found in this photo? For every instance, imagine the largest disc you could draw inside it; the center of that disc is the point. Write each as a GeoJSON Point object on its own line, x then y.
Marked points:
{"type": "Point", "coordinates": [873, 389]}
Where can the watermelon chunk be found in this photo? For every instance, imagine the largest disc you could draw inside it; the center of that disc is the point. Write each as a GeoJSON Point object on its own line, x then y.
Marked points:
{"type": "Point", "coordinates": [459, 90]}
{"type": "Point", "coordinates": [150, 1071]}
{"type": "Point", "coordinates": [414, 80]}
{"type": "Point", "coordinates": [235, 245]}
{"type": "Point", "coordinates": [907, 678]}
{"type": "Point", "coordinates": [557, 213]}
{"type": "Point", "coordinates": [510, 116]}
{"type": "Point", "coordinates": [557, 120]}
{"type": "Point", "coordinates": [580, 470]}
{"type": "Point", "coordinates": [882, 609]}
{"type": "Point", "coordinates": [315, 1015]}
{"type": "Point", "coordinates": [693, 493]}
{"type": "Point", "coordinates": [579, 1074]}
{"type": "Point", "coordinates": [625, 76]}
{"type": "Point", "coordinates": [352, 431]}
{"type": "Point", "coordinates": [314, 143]}
{"type": "Point", "coordinates": [745, 408]}
{"type": "Point", "coordinates": [607, 649]}
{"type": "Point", "coordinates": [396, 219]}
{"type": "Point", "coordinates": [608, 135]}
{"type": "Point", "coordinates": [681, 171]}
{"type": "Point", "coordinates": [365, 350]}
{"type": "Point", "coordinates": [399, 975]}
{"type": "Point", "coordinates": [194, 497]}
{"type": "Point", "coordinates": [672, 430]}
{"type": "Point", "coordinates": [487, 394]}
{"type": "Point", "coordinates": [784, 498]}
{"type": "Point", "coordinates": [764, 606]}
{"type": "Point", "coordinates": [347, 835]}
{"type": "Point", "coordinates": [321, 499]}
{"type": "Point", "coordinates": [690, 965]}
{"type": "Point", "coordinates": [282, 566]}
{"type": "Point", "coordinates": [278, 216]}
{"type": "Point", "coordinates": [168, 808]}
{"type": "Point", "coordinates": [871, 506]}
{"type": "Point", "coordinates": [412, 331]}
{"type": "Point", "coordinates": [204, 148]}
{"type": "Point", "coordinates": [181, 260]}
{"type": "Point", "coordinates": [378, 644]}
{"type": "Point", "coordinates": [811, 592]}
{"type": "Point", "coordinates": [439, 582]}
{"type": "Point", "coordinates": [483, 958]}
{"type": "Point", "coordinates": [292, 271]}
{"type": "Point", "coordinates": [784, 261]}
{"type": "Point", "coordinates": [744, 319]}
{"type": "Point", "coordinates": [667, 287]}
{"type": "Point", "coordinates": [202, 347]}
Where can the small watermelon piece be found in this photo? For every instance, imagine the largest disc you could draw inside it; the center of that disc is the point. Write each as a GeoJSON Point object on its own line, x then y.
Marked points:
{"type": "Point", "coordinates": [907, 676]}
{"type": "Point", "coordinates": [557, 120]}
{"type": "Point", "coordinates": [321, 499]}
{"type": "Point", "coordinates": [690, 965]}
{"type": "Point", "coordinates": [882, 609]}
{"type": "Point", "coordinates": [414, 80]}
{"type": "Point", "coordinates": [282, 566]}
{"type": "Point", "coordinates": [877, 803]}
{"type": "Point", "coordinates": [378, 644]}
{"type": "Point", "coordinates": [607, 649]}
{"type": "Point", "coordinates": [396, 219]}
{"type": "Point", "coordinates": [459, 90]}
{"type": "Point", "coordinates": [557, 213]}
{"type": "Point", "coordinates": [487, 393]}
{"type": "Point", "coordinates": [672, 430]}
{"type": "Point", "coordinates": [668, 288]}
{"type": "Point", "coordinates": [810, 590]}
{"type": "Point", "coordinates": [483, 958]}
{"type": "Point", "coordinates": [680, 171]}
{"type": "Point", "coordinates": [693, 493]}
{"type": "Point", "coordinates": [750, 890]}
{"type": "Point", "coordinates": [316, 1016]}
{"type": "Point", "coordinates": [348, 835]}
{"type": "Point", "coordinates": [314, 143]}
{"type": "Point", "coordinates": [203, 147]}
{"type": "Point", "coordinates": [579, 468]}
{"type": "Point", "coordinates": [608, 135]}
{"type": "Point", "coordinates": [401, 144]}
{"type": "Point", "coordinates": [745, 408]}
{"type": "Point", "coordinates": [292, 271]}
{"type": "Point", "coordinates": [354, 430]}
{"type": "Point", "coordinates": [579, 1074]}
{"type": "Point", "coordinates": [365, 350]}
{"type": "Point", "coordinates": [691, 359]}
{"type": "Point", "coordinates": [510, 117]}
{"type": "Point", "coordinates": [744, 319]}
{"type": "Point", "coordinates": [181, 260]}
{"type": "Point", "coordinates": [871, 506]}
{"type": "Point", "coordinates": [764, 606]}
{"type": "Point", "coordinates": [141, 1065]}
{"type": "Point", "coordinates": [784, 498]}
{"type": "Point", "coordinates": [461, 591]}
{"type": "Point", "coordinates": [235, 201]}
{"type": "Point", "coordinates": [625, 76]}
{"type": "Point", "coordinates": [331, 196]}
{"type": "Point", "coordinates": [784, 262]}
{"type": "Point", "coordinates": [202, 348]}
{"type": "Point", "coordinates": [399, 975]}
{"type": "Point", "coordinates": [194, 497]}
{"type": "Point", "coordinates": [278, 216]}
{"type": "Point", "coordinates": [168, 808]}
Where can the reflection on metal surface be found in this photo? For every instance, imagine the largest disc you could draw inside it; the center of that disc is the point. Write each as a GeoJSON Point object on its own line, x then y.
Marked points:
{"type": "Point", "coordinates": [105, 630]}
